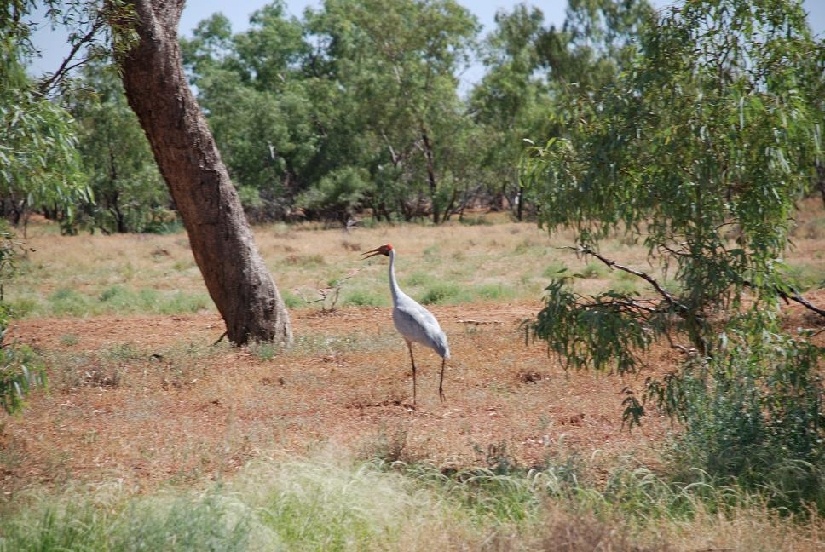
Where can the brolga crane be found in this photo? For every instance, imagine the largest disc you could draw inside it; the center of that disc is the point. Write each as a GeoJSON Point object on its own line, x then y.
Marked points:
{"type": "Point", "coordinates": [415, 323]}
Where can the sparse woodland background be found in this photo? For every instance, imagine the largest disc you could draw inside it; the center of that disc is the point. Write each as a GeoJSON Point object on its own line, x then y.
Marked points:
{"type": "Point", "coordinates": [619, 225]}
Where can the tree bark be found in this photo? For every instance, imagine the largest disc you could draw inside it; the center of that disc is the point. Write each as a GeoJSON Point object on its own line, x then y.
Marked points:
{"type": "Point", "coordinates": [430, 156]}
{"type": "Point", "coordinates": [221, 239]}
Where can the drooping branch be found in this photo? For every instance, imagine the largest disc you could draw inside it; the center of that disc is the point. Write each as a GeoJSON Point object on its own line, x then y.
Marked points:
{"type": "Point", "coordinates": [70, 61]}
{"type": "Point", "coordinates": [796, 297]}
{"type": "Point", "coordinates": [793, 295]}
{"type": "Point", "coordinates": [666, 295]}
{"type": "Point", "coordinates": [694, 320]}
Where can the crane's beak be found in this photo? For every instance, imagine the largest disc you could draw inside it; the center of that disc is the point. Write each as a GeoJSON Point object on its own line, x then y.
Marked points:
{"type": "Point", "coordinates": [371, 253]}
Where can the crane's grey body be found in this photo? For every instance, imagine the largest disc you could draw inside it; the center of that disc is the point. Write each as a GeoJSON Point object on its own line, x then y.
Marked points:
{"type": "Point", "coordinates": [415, 323]}
{"type": "Point", "coordinates": [418, 325]}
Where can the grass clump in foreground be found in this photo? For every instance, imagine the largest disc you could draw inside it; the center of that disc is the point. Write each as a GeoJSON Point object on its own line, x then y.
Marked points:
{"type": "Point", "coordinates": [336, 504]}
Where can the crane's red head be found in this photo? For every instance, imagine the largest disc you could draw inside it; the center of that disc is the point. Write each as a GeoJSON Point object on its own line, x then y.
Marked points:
{"type": "Point", "coordinates": [383, 250]}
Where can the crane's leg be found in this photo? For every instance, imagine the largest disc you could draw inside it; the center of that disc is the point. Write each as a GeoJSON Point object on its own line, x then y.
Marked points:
{"type": "Point", "coordinates": [412, 361]}
{"type": "Point", "coordinates": [441, 380]}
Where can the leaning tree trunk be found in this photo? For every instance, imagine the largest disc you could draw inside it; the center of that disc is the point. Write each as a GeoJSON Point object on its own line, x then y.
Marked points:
{"type": "Point", "coordinates": [221, 240]}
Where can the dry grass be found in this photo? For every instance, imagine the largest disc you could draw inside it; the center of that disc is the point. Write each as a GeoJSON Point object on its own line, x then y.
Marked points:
{"type": "Point", "coordinates": [504, 261]}
{"type": "Point", "coordinates": [165, 405]}
{"type": "Point", "coordinates": [147, 401]}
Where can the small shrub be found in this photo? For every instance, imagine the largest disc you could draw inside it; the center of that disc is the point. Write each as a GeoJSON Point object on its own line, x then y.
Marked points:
{"type": "Point", "coordinates": [264, 351]}
{"type": "Point", "coordinates": [291, 300]}
{"type": "Point", "coordinates": [418, 279]}
{"type": "Point", "coordinates": [440, 293]}
{"type": "Point", "coordinates": [554, 269]}
{"type": "Point", "coordinates": [361, 298]}
{"type": "Point", "coordinates": [67, 301]}
{"type": "Point", "coordinates": [23, 306]}
{"type": "Point", "coordinates": [163, 227]}
{"type": "Point", "coordinates": [114, 293]}
{"type": "Point", "coordinates": [593, 270]}
{"type": "Point", "coordinates": [498, 292]}
{"type": "Point", "coordinates": [754, 414]}
{"type": "Point", "coordinates": [69, 340]}
{"type": "Point", "coordinates": [180, 303]}
{"type": "Point", "coordinates": [804, 277]}
{"type": "Point", "coordinates": [20, 370]}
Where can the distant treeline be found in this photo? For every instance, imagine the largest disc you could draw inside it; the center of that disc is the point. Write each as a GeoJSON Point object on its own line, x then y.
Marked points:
{"type": "Point", "coordinates": [356, 108]}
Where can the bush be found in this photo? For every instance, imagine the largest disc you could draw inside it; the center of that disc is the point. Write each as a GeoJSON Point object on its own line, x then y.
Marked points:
{"type": "Point", "coordinates": [19, 369]}
{"type": "Point", "coordinates": [753, 414]}
{"type": "Point", "coordinates": [440, 293]}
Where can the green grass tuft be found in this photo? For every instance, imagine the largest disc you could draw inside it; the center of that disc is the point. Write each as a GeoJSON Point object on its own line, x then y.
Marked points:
{"type": "Point", "coordinates": [497, 292]}
{"type": "Point", "coordinates": [364, 298]}
{"type": "Point", "coordinates": [441, 293]}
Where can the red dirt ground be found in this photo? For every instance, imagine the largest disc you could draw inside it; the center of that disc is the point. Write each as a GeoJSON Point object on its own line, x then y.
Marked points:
{"type": "Point", "coordinates": [129, 402]}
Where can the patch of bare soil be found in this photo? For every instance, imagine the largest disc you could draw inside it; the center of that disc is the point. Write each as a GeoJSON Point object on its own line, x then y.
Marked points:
{"type": "Point", "coordinates": [156, 414]}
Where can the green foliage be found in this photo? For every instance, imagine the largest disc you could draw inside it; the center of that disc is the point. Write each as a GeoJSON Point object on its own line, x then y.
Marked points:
{"type": "Point", "coordinates": [330, 504]}
{"type": "Point", "coordinates": [120, 300]}
{"type": "Point", "coordinates": [531, 68]}
{"type": "Point", "coordinates": [20, 368]}
{"type": "Point", "coordinates": [362, 298]}
{"type": "Point", "coordinates": [754, 414]}
{"type": "Point", "coordinates": [674, 145]}
{"type": "Point", "coordinates": [512, 98]}
{"type": "Point", "coordinates": [352, 107]}
{"type": "Point", "coordinates": [129, 193]}
{"type": "Point", "coordinates": [356, 106]}
{"type": "Point", "coordinates": [39, 162]}
{"type": "Point", "coordinates": [496, 292]}
{"type": "Point", "coordinates": [601, 333]}
{"type": "Point", "coordinates": [440, 293]}
{"type": "Point", "coordinates": [20, 371]}
{"type": "Point", "coordinates": [337, 193]}
{"type": "Point", "coordinates": [714, 126]}
{"type": "Point", "coordinates": [170, 524]}
{"type": "Point", "coordinates": [314, 505]}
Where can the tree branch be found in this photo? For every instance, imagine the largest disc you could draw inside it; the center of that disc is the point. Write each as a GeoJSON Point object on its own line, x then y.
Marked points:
{"type": "Point", "coordinates": [794, 296]}
{"type": "Point", "coordinates": [47, 84]}
{"type": "Point", "coordinates": [802, 301]}
{"type": "Point", "coordinates": [668, 297]}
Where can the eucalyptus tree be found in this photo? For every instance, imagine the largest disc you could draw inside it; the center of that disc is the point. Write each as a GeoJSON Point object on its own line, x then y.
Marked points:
{"type": "Point", "coordinates": [252, 87]}
{"type": "Point", "coordinates": [533, 67]}
{"type": "Point", "coordinates": [700, 150]}
{"type": "Point", "coordinates": [39, 164]}
{"type": "Point", "coordinates": [394, 63]}
{"type": "Point", "coordinates": [281, 124]}
{"type": "Point", "coordinates": [512, 100]}
{"type": "Point", "coordinates": [141, 35]}
{"type": "Point", "coordinates": [129, 193]}
{"type": "Point", "coordinates": [190, 162]}
{"type": "Point", "coordinates": [596, 40]}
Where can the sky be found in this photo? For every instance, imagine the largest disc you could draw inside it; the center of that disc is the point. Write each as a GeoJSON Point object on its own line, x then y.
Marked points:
{"type": "Point", "coordinates": [53, 43]}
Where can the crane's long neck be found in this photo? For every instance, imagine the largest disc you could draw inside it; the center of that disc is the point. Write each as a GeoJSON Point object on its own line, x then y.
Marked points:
{"type": "Point", "coordinates": [396, 291]}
